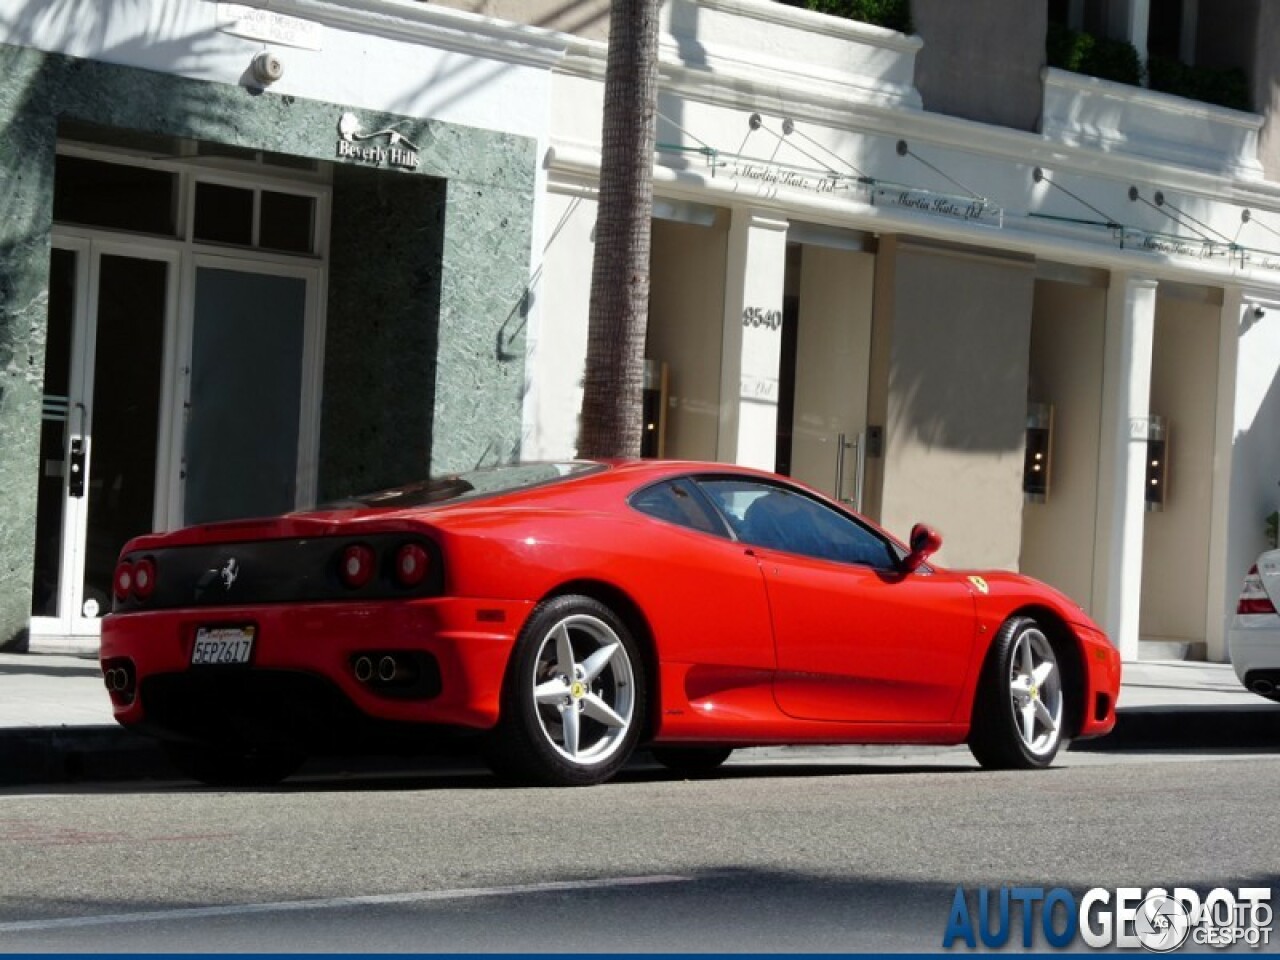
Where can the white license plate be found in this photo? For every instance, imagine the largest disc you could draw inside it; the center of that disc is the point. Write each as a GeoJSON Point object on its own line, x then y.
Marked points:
{"type": "Point", "coordinates": [218, 645]}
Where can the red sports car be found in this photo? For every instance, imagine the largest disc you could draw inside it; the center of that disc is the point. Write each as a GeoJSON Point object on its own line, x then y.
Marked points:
{"type": "Point", "coordinates": [569, 612]}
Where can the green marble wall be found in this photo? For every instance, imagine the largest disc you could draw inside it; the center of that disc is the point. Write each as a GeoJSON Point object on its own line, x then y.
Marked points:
{"type": "Point", "coordinates": [380, 334]}
{"type": "Point", "coordinates": [471, 412]}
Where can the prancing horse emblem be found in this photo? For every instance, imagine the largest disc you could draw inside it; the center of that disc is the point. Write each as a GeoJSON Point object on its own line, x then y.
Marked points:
{"type": "Point", "coordinates": [229, 573]}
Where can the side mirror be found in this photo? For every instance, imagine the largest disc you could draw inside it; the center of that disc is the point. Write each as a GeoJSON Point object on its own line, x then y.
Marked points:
{"type": "Point", "coordinates": [925, 542]}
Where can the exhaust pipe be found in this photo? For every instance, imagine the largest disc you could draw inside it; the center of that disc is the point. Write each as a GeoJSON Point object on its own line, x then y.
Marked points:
{"type": "Point", "coordinates": [1264, 687]}
{"type": "Point", "coordinates": [364, 669]}
{"type": "Point", "coordinates": [387, 669]}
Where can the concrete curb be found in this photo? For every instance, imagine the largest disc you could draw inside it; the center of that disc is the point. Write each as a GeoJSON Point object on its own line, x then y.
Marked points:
{"type": "Point", "coordinates": [84, 754]}
{"type": "Point", "coordinates": [1191, 728]}
{"type": "Point", "coordinates": [46, 755]}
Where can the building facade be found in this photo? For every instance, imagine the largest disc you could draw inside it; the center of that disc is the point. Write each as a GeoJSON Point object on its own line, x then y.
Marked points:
{"type": "Point", "coordinates": [882, 263]}
{"type": "Point", "coordinates": [253, 259]}
{"type": "Point", "coordinates": [906, 269]}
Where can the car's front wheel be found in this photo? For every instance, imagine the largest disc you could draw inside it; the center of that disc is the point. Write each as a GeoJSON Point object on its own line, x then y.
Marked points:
{"type": "Point", "coordinates": [574, 699]}
{"type": "Point", "coordinates": [1018, 711]}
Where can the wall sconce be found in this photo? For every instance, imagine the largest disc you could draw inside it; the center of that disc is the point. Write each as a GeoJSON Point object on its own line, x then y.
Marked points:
{"type": "Point", "coordinates": [1157, 486]}
{"type": "Point", "coordinates": [1035, 466]}
{"type": "Point", "coordinates": [653, 442]}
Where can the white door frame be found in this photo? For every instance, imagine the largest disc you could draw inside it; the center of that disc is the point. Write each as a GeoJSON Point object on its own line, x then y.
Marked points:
{"type": "Point", "coordinates": [312, 374]}
{"type": "Point", "coordinates": [71, 629]}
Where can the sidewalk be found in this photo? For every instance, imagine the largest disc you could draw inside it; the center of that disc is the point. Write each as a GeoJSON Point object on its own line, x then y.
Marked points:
{"type": "Point", "coordinates": [56, 723]}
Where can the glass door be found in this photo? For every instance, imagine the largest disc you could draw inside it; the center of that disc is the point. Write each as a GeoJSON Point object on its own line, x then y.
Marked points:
{"type": "Point", "coordinates": [832, 318]}
{"type": "Point", "coordinates": [249, 439]}
{"type": "Point", "coordinates": [109, 309]}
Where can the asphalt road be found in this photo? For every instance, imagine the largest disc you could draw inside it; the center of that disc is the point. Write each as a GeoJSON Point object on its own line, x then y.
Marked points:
{"type": "Point", "coordinates": [793, 851]}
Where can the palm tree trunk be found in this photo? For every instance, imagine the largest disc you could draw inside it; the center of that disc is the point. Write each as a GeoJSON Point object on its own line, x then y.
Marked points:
{"type": "Point", "coordinates": [612, 388]}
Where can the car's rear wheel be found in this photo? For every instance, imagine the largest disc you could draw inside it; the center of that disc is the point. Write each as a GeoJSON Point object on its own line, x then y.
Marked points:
{"type": "Point", "coordinates": [691, 760]}
{"type": "Point", "coordinates": [218, 766]}
{"type": "Point", "coordinates": [574, 699]}
{"type": "Point", "coordinates": [1018, 712]}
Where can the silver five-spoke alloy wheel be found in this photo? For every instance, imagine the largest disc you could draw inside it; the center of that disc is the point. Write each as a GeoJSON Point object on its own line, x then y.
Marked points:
{"type": "Point", "coordinates": [1035, 692]}
{"type": "Point", "coordinates": [584, 689]}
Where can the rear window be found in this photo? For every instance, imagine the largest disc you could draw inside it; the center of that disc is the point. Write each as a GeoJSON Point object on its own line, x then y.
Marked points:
{"type": "Point", "coordinates": [468, 485]}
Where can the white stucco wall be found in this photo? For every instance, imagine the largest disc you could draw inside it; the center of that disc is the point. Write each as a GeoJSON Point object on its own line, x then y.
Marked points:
{"type": "Point", "coordinates": [399, 57]}
{"type": "Point", "coordinates": [557, 345]}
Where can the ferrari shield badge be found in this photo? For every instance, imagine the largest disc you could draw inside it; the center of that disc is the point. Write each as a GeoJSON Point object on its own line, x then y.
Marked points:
{"type": "Point", "coordinates": [980, 585]}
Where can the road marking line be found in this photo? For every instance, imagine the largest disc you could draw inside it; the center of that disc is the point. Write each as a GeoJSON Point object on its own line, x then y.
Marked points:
{"type": "Point", "coordinates": [329, 903]}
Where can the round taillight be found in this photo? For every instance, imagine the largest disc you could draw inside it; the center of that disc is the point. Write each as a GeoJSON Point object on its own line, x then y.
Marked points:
{"type": "Point", "coordinates": [144, 578]}
{"type": "Point", "coordinates": [356, 566]}
{"type": "Point", "coordinates": [411, 565]}
{"type": "Point", "coordinates": [124, 579]}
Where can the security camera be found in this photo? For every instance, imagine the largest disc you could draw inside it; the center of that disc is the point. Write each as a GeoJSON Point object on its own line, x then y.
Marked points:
{"type": "Point", "coordinates": [1259, 312]}
{"type": "Point", "coordinates": [267, 67]}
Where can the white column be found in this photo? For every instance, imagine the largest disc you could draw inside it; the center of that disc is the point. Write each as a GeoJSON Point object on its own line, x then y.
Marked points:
{"type": "Point", "coordinates": [1230, 321]}
{"type": "Point", "coordinates": [1128, 21]}
{"type": "Point", "coordinates": [757, 262]}
{"type": "Point", "coordinates": [1122, 458]}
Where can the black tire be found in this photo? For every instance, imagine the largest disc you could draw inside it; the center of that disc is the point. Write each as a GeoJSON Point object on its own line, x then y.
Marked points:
{"type": "Point", "coordinates": [546, 737]}
{"type": "Point", "coordinates": [691, 761]}
{"type": "Point", "coordinates": [228, 767]}
{"type": "Point", "coordinates": [1018, 713]}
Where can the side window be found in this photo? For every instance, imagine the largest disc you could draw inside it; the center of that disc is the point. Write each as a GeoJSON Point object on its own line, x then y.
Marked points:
{"type": "Point", "coordinates": [676, 501]}
{"type": "Point", "coordinates": [780, 519]}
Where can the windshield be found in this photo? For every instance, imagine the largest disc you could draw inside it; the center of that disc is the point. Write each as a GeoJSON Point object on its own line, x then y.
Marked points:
{"type": "Point", "coordinates": [467, 485]}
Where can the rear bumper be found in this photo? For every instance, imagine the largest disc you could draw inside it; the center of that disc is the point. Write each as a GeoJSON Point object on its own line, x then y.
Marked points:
{"type": "Point", "coordinates": [1101, 682]}
{"type": "Point", "coordinates": [313, 647]}
{"type": "Point", "coordinates": [1254, 641]}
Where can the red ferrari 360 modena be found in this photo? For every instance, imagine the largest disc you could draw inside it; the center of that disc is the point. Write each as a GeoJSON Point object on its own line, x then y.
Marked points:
{"type": "Point", "coordinates": [568, 612]}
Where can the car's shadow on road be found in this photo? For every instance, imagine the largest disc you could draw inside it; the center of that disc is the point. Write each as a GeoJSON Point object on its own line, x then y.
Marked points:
{"type": "Point", "coordinates": [457, 777]}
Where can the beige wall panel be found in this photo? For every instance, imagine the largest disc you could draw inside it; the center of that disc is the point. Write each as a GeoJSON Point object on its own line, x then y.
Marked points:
{"type": "Point", "coordinates": [1184, 390]}
{"type": "Point", "coordinates": [1067, 331]}
{"type": "Point", "coordinates": [686, 326]}
{"type": "Point", "coordinates": [832, 356]}
{"type": "Point", "coordinates": [957, 401]}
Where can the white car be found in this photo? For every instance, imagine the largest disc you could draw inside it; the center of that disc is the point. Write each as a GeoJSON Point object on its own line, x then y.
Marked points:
{"type": "Point", "coordinates": [1255, 630]}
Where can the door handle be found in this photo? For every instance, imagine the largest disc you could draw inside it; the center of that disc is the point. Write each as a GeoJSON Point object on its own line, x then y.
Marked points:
{"type": "Point", "coordinates": [75, 480]}
{"type": "Point", "coordinates": [839, 466]}
{"type": "Point", "coordinates": [859, 470]}
{"type": "Point", "coordinates": [842, 444]}
{"type": "Point", "coordinates": [75, 465]}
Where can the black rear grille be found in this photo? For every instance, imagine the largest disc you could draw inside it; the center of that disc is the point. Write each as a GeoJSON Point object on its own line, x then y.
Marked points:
{"type": "Point", "coordinates": [299, 570]}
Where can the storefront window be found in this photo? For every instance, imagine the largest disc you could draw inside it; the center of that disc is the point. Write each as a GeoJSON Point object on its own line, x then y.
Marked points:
{"type": "Point", "coordinates": [288, 222]}
{"type": "Point", "coordinates": [115, 196]}
{"type": "Point", "coordinates": [223, 214]}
